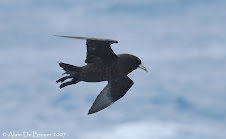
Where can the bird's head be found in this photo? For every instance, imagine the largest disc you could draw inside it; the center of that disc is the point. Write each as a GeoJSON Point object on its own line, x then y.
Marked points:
{"type": "Point", "coordinates": [133, 62]}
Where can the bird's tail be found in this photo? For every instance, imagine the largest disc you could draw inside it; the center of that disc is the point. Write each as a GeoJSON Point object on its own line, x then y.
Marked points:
{"type": "Point", "coordinates": [69, 69]}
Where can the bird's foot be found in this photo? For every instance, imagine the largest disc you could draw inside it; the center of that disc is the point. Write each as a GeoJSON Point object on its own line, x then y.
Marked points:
{"type": "Point", "coordinates": [63, 79]}
{"type": "Point", "coordinates": [68, 83]}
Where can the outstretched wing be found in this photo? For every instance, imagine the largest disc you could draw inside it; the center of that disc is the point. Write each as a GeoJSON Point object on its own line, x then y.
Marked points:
{"type": "Point", "coordinates": [98, 50]}
{"type": "Point", "coordinates": [111, 93]}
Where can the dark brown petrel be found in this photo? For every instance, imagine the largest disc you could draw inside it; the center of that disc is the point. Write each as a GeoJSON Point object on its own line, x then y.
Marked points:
{"type": "Point", "coordinates": [103, 65]}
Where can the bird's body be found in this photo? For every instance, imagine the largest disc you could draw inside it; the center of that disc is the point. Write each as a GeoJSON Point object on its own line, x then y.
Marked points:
{"type": "Point", "coordinates": [99, 72]}
{"type": "Point", "coordinates": [103, 65]}
{"type": "Point", "coordinates": [96, 72]}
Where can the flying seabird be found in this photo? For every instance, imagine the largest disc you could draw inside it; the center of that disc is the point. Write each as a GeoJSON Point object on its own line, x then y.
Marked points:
{"type": "Point", "coordinates": [102, 65]}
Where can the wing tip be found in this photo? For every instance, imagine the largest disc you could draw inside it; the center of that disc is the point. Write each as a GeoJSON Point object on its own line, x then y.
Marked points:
{"type": "Point", "coordinates": [91, 111]}
{"type": "Point", "coordinates": [94, 109]}
{"type": "Point", "coordinates": [58, 35]}
{"type": "Point", "coordinates": [88, 38]}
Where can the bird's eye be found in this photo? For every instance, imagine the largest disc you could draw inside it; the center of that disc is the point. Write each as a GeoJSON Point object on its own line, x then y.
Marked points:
{"type": "Point", "coordinates": [136, 62]}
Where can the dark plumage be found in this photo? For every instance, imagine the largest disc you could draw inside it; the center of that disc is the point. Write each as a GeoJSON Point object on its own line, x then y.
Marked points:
{"type": "Point", "coordinates": [103, 65]}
